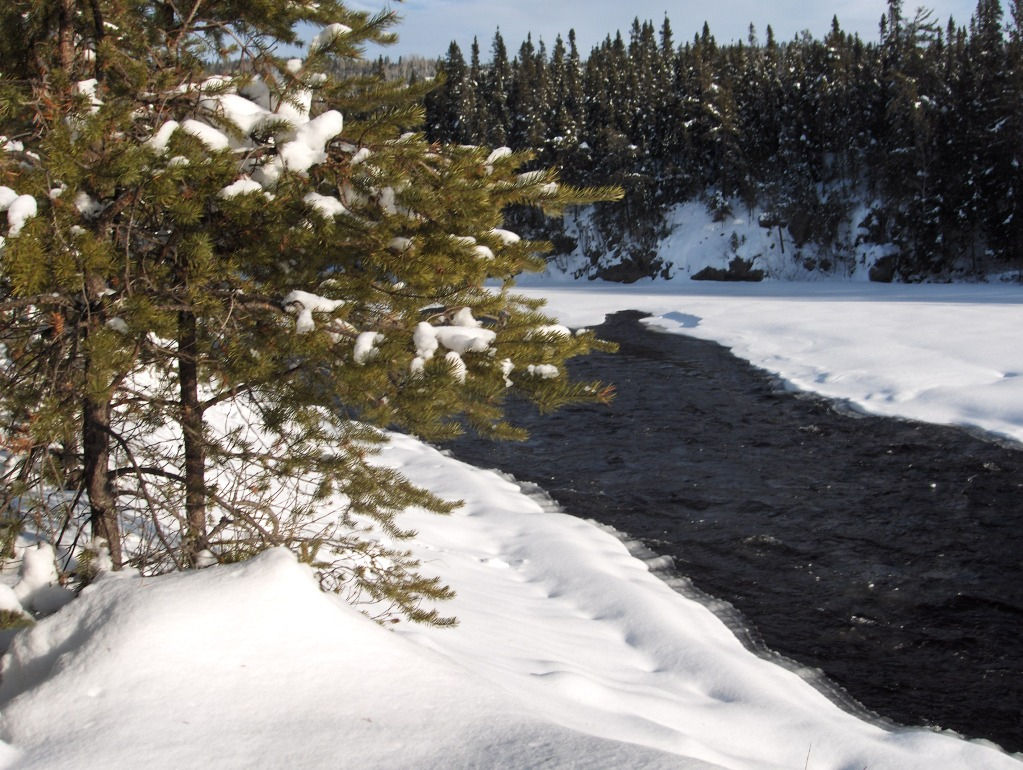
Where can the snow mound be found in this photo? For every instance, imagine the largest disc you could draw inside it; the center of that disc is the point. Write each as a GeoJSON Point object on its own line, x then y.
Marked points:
{"type": "Point", "coordinates": [39, 589]}
{"type": "Point", "coordinates": [251, 666]}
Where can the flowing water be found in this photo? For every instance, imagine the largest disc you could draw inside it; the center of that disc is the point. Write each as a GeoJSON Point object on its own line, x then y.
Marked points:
{"type": "Point", "coordinates": [887, 553]}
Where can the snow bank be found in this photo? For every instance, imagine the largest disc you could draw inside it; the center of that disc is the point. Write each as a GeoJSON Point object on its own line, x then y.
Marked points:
{"type": "Point", "coordinates": [251, 666]}
{"type": "Point", "coordinates": [947, 354]}
{"type": "Point", "coordinates": [556, 612]}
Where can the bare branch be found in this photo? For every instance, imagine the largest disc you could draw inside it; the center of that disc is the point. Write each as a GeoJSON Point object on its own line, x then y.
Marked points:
{"type": "Point", "coordinates": [135, 470]}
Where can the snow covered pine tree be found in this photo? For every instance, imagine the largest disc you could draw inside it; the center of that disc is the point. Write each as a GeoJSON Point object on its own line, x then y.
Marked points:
{"type": "Point", "coordinates": [222, 267]}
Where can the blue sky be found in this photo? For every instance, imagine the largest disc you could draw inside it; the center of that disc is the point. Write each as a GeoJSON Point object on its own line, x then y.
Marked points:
{"type": "Point", "coordinates": [430, 25]}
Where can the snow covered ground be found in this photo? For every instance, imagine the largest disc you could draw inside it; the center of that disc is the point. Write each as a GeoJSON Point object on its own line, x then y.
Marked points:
{"type": "Point", "coordinates": [570, 651]}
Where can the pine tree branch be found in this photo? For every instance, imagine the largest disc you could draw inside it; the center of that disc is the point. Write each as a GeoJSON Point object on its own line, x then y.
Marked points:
{"type": "Point", "coordinates": [116, 473]}
{"type": "Point", "coordinates": [50, 299]}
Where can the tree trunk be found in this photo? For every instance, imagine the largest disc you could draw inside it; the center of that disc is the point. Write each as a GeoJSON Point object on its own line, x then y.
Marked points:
{"type": "Point", "coordinates": [102, 498]}
{"type": "Point", "coordinates": [65, 35]}
{"type": "Point", "coordinates": [194, 447]}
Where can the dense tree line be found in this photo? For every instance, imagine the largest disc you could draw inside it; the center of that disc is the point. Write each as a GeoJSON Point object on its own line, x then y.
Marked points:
{"type": "Point", "coordinates": [918, 136]}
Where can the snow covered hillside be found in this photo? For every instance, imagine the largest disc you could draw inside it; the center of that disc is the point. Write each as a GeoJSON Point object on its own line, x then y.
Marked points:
{"type": "Point", "coordinates": [695, 239]}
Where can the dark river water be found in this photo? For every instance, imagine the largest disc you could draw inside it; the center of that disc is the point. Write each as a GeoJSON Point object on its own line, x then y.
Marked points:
{"type": "Point", "coordinates": [887, 553]}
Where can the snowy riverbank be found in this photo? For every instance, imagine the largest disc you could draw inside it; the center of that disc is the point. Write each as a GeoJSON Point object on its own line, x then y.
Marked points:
{"type": "Point", "coordinates": [943, 353]}
{"type": "Point", "coordinates": [570, 652]}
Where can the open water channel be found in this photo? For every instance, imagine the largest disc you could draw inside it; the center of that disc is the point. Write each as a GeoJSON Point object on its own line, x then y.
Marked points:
{"type": "Point", "coordinates": [887, 553]}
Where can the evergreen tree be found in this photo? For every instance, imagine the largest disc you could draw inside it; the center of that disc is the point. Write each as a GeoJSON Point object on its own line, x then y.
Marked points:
{"type": "Point", "coordinates": [674, 174]}
{"type": "Point", "coordinates": [556, 111]}
{"type": "Point", "coordinates": [575, 97]}
{"type": "Point", "coordinates": [448, 109]}
{"type": "Point", "coordinates": [1008, 221]}
{"type": "Point", "coordinates": [528, 97]}
{"type": "Point", "coordinates": [475, 129]}
{"type": "Point", "coordinates": [212, 286]}
{"type": "Point", "coordinates": [496, 94]}
{"type": "Point", "coordinates": [994, 114]}
{"type": "Point", "coordinates": [570, 147]}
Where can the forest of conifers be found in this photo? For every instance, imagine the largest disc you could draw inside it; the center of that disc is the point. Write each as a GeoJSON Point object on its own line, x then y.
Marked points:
{"type": "Point", "coordinates": [917, 136]}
